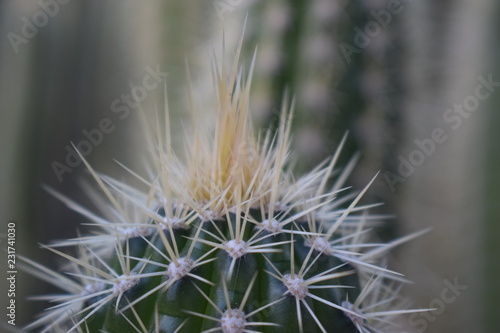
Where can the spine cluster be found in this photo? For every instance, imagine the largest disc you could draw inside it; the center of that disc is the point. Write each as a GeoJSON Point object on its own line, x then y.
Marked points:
{"type": "Point", "coordinates": [229, 241]}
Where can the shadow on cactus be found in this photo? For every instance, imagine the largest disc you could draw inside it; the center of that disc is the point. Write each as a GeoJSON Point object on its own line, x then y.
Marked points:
{"type": "Point", "coordinates": [228, 241]}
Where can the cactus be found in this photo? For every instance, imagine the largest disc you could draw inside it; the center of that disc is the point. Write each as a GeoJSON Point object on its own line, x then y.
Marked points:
{"type": "Point", "coordinates": [228, 241]}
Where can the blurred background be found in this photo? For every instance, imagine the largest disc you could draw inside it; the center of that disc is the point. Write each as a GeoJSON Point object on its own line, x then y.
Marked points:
{"type": "Point", "coordinates": [414, 82]}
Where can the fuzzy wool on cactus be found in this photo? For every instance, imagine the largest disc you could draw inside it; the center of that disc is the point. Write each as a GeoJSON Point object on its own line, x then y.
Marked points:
{"type": "Point", "coordinates": [227, 241]}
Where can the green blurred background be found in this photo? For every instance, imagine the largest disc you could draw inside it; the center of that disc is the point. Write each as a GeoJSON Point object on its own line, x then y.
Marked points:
{"type": "Point", "coordinates": [387, 71]}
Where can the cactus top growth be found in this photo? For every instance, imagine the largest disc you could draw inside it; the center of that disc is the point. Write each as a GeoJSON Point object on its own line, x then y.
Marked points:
{"type": "Point", "coordinates": [228, 242]}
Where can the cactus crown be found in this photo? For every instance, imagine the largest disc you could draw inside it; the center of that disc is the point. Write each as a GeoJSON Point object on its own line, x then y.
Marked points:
{"type": "Point", "coordinates": [230, 242]}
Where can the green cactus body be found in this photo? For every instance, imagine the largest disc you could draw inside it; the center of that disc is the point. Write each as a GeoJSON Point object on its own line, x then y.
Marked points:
{"type": "Point", "coordinates": [237, 285]}
{"type": "Point", "coordinates": [228, 242]}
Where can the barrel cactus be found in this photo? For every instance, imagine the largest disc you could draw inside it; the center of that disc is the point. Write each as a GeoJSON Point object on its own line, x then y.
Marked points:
{"type": "Point", "coordinates": [224, 240]}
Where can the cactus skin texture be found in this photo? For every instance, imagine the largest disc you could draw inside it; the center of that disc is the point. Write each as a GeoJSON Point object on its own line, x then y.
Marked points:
{"type": "Point", "coordinates": [228, 241]}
